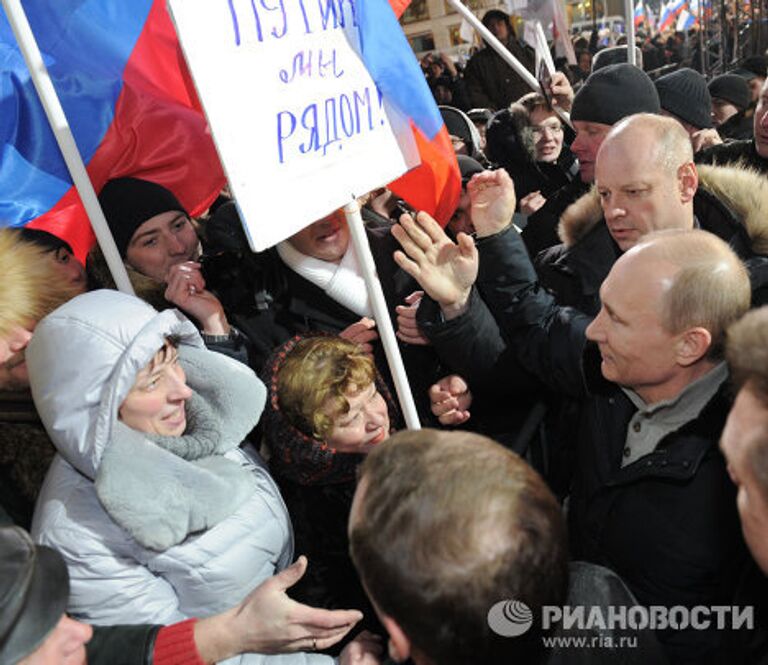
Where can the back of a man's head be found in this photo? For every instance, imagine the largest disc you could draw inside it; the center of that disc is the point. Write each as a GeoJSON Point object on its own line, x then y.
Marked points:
{"type": "Point", "coordinates": [445, 526]}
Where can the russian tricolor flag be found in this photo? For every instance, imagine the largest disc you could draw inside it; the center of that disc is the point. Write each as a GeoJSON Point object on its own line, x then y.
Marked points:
{"type": "Point", "coordinates": [124, 86]}
{"type": "Point", "coordinates": [669, 14]}
{"type": "Point", "coordinates": [125, 89]}
{"type": "Point", "coordinates": [639, 13]}
{"type": "Point", "coordinates": [435, 185]}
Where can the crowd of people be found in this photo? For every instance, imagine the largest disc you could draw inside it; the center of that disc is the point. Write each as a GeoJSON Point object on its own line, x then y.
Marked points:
{"type": "Point", "coordinates": [587, 345]}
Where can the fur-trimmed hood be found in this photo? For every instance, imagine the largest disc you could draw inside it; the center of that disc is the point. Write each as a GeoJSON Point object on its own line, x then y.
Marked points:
{"type": "Point", "coordinates": [743, 191]}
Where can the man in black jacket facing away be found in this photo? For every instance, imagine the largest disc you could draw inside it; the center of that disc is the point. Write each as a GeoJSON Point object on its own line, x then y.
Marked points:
{"type": "Point", "coordinates": [651, 498]}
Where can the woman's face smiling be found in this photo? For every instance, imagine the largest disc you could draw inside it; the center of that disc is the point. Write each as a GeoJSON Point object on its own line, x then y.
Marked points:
{"type": "Point", "coordinates": [364, 426]}
{"type": "Point", "coordinates": [155, 404]}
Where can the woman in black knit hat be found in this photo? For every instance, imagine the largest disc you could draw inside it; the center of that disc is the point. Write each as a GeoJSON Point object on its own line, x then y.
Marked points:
{"type": "Point", "coordinates": [327, 407]}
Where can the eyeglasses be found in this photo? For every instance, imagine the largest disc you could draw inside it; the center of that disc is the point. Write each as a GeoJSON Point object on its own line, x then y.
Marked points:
{"type": "Point", "coordinates": [555, 128]}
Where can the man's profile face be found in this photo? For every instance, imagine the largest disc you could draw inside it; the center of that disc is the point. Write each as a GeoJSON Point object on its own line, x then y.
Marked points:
{"type": "Point", "coordinates": [589, 138]}
{"type": "Point", "coordinates": [13, 366]}
{"type": "Point", "coordinates": [638, 195]}
{"type": "Point", "coordinates": [746, 427]}
{"type": "Point", "coordinates": [326, 239]}
{"type": "Point", "coordinates": [637, 352]}
{"type": "Point", "coordinates": [722, 111]}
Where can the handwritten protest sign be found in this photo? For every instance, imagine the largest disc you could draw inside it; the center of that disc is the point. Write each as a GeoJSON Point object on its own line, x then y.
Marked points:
{"type": "Point", "coordinates": [299, 124]}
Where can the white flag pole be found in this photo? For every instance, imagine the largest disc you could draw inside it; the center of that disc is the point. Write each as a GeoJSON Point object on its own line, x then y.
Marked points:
{"type": "Point", "coordinates": [629, 10]}
{"type": "Point", "coordinates": [502, 50]}
{"type": "Point", "coordinates": [380, 313]}
{"type": "Point", "coordinates": [61, 130]}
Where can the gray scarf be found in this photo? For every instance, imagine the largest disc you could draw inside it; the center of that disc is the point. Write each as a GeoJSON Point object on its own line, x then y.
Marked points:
{"type": "Point", "coordinates": [162, 489]}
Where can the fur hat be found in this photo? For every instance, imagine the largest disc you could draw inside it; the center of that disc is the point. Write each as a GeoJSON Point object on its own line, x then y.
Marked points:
{"type": "Point", "coordinates": [732, 88]}
{"type": "Point", "coordinates": [129, 202]}
{"type": "Point", "coordinates": [685, 95]}
{"type": "Point", "coordinates": [615, 92]}
{"type": "Point", "coordinates": [32, 286]}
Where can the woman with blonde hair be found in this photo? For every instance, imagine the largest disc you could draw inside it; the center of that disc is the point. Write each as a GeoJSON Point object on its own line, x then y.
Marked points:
{"type": "Point", "coordinates": [327, 408]}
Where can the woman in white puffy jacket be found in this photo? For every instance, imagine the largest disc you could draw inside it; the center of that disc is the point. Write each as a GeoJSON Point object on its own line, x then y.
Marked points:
{"type": "Point", "coordinates": [158, 512]}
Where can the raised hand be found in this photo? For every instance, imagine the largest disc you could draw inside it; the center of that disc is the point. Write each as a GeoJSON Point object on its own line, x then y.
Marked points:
{"type": "Point", "coordinates": [530, 203]}
{"type": "Point", "coordinates": [444, 269]}
{"type": "Point", "coordinates": [561, 90]}
{"type": "Point", "coordinates": [493, 201]}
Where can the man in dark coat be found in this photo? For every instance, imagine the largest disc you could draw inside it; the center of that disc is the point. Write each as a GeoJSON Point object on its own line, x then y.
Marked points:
{"type": "Point", "coordinates": [646, 180]}
{"type": "Point", "coordinates": [651, 382]}
{"type": "Point", "coordinates": [490, 82]}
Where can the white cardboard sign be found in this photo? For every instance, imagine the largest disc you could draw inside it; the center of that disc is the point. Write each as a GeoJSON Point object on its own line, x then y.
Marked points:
{"type": "Point", "coordinates": [299, 124]}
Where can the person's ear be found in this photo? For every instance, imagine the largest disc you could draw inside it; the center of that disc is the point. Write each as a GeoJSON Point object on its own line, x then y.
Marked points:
{"type": "Point", "coordinates": [688, 181]}
{"type": "Point", "coordinates": [692, 345]}
{"type": "Point", "coordinates": [399, 645]}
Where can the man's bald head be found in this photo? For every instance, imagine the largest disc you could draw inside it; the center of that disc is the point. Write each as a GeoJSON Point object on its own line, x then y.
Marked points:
{"type": "Point", "coordinates": [657, 139]}
{"type": "Point", "coordinates": [646, 178]}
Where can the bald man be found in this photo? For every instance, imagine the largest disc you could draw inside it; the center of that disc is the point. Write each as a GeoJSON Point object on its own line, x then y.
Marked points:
{"type": "Point", "coordinates": [650, 380]}
{"type": "Point", "coordinates": [646, 180]}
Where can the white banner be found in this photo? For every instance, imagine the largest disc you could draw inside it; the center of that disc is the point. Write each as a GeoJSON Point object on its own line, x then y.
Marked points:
{"type": "Point", "coordinates": [299, 124]}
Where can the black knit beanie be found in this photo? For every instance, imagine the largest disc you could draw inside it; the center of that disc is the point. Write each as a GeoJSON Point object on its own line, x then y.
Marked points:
{"type": "Point", "coordinates": [685, 95]}
{"type": "Point", "coordinates": [615, 92]}
{"type": "Point", "coordinates": [732, 88]}
{"type": "Point", "coordinates": [129, 202]}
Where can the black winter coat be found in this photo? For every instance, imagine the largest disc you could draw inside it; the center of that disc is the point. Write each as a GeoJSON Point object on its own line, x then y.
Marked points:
{"type": "Point", "coordinates": [667, 524]}
{"type": "Point", "coordinates": [491, 83]}
{"type": "Point", "coordinates": [735, 153]}
{"type": "Point", "coordinates": [540, 232]}
{"type": "Point", "coordinates": [731, 203]}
